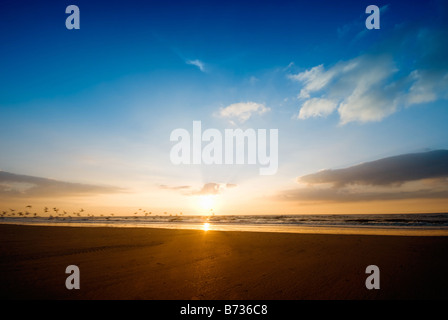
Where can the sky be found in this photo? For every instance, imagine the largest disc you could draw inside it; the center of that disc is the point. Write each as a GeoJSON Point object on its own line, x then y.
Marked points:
{"type": "Point", "coordinates": [86, 114]}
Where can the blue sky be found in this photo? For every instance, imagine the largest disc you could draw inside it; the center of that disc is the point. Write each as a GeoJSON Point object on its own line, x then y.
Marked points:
{"type": "Point", "coordinates": [96, 106]}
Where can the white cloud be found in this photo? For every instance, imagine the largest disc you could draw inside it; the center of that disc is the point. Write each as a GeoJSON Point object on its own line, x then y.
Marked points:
{"type": "Point", "coordinates": [369, 97]}
{"type": "Point", "coordinates": [364, 89]}
{"type": "Point", "coordinates": [356, 90]}
{"type": "Point", "coordinates": [366, 107]}
{"type": "Point", "coordinates": [317, 78]}
{"type": "Point", "coordinates": [317, 107]}
{"type": "Point", "coordinates": [314, 79]}
{"type": "Point", "coordinates": [427, 86]}
{"type": "Point", "coordinates": [197, 63]}
{"type": "Point", "coordinates": [242, 111]}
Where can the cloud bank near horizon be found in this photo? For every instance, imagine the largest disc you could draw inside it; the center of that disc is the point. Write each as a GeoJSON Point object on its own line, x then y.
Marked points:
{"type": "Point", "coordinates": [408, 176]}
{"type": "Point", "coordinates": [17, 185]}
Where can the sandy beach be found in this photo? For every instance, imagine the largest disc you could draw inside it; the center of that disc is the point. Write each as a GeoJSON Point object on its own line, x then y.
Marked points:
{"type": "Point", "coordinates": [146, 263]}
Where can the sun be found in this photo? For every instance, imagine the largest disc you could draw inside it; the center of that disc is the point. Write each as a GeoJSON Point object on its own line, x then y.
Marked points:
{"type": "Point", "coordinates": [207, 202]}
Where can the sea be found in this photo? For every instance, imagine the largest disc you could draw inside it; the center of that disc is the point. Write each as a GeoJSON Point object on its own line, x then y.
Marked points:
{"type": "Point", "coordinates": [433, 224]}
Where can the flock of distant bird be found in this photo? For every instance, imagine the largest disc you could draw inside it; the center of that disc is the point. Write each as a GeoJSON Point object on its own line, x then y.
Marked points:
{"type": "Point", "coordinates": [65, 214]}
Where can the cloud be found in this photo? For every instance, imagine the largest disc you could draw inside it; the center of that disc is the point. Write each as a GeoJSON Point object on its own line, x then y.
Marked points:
{"type": "Point", "coordinates": [317, 107]}
{"type": "Point", "coordinates": [197, 63]}
{"type": "Point", "coordinates": [15, 185]}
{"type": "Point", "coordinates": [386, 171]}
{"type": "Point", "coordinates": [242, 111]}
{"type": "Point", "coordinates": [426, 86]}
{"type": "Point", "coordinates": [162, 186]}
{"type": "Point", "coordinates": [343, 195]}
{"type": "Point", "coordinates": [314, 80]}
{"type": "Point", "coordinates": [358, 89]}
{"type": "Point", "coordinates": [289, 66]}
{"type": "Point", "coordinates": [408, 176]}
{"type": "Point", "coordinates": [362, 89]}
{"type": "Point", "coordinates": [210, 188]}
{"type": "Point", "coordinates": [375, 85]}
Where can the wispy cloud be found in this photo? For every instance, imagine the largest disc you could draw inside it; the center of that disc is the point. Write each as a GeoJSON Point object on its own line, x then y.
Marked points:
{"type": "Point", "coordinates": [314, 79]}
{"type": "Point", "coordinates": [346, 195]}
{"type": "Point", "coordinates": [15, 185]}
{"type": "Point", "coordinates": [210, 188]}
{"type": "Point", "coordinates": [198, 63]}
{"type": "Point", "coordinates": [373, 86]}
{"type": "Point", "coordinates": [317, 107]}
{"type": "Point", "coordinates": [163, 186]}
{"type": "Point", "coordinates": [242, 111]}
{"type": "Point", "coordinates": [363, 89]}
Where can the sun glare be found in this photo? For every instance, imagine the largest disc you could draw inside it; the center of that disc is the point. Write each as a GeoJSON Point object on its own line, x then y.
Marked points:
{"type": "Point", "coordinates": [207, 202]}
{"type": "Point", "coordinates": [206, 226]}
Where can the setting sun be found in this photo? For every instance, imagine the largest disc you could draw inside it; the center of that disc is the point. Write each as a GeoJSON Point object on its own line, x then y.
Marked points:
{"type": "Point", "coordinates": [207, 202]}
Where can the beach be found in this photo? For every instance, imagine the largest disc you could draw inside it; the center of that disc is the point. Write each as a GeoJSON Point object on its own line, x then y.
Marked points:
{"type": "Point", "coordinates": [167, 264]}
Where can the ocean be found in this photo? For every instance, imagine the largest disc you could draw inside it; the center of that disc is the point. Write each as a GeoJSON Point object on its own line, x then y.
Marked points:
{"type": "Point", "coordinates": [397, 224]}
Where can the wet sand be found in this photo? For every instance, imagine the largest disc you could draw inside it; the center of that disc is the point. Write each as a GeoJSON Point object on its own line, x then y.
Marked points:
{"type": "Point", "coordinates": [165, 264]}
